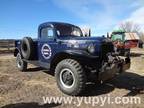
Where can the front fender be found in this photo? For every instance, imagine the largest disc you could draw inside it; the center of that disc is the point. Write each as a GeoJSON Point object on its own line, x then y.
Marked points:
{"type": "Point", "coordinates": [80, 53]}
{"type": "Point", "coordinates": [16, 51]}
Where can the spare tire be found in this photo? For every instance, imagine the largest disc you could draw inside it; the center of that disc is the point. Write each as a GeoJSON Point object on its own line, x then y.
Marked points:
{"type": "Point", "coordinates": [27, 48]}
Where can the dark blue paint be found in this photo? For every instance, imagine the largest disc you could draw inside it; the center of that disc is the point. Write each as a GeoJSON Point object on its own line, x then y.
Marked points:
{"type": "Point", "coordinates": [61, 44]}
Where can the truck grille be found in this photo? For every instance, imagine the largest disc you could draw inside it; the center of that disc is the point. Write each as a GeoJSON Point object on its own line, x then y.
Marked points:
{"type": "Point", "coordinates": [106, 48]}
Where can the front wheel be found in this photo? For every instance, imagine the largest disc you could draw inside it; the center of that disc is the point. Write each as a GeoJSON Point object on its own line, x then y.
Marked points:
{"type": "Point", "coordinates": [70, 77]}
{"type": "Point", "coordinates": [22, 65]}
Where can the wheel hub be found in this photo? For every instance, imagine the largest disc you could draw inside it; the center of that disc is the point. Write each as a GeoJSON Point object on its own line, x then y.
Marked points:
{"type": "Point", "coordinates": [67, 78]}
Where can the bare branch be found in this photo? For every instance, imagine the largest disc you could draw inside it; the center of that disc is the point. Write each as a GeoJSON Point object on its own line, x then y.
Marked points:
{"type": "Point", "coordinates": [130, 27]}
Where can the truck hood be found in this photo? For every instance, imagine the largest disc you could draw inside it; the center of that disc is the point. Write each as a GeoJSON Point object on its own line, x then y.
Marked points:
{"type": "Point", "coordinates": [82, 39]}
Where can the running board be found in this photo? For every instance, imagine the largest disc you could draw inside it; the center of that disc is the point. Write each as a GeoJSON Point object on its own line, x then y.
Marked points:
{"type": "Point", "coordinates": [38, 63]}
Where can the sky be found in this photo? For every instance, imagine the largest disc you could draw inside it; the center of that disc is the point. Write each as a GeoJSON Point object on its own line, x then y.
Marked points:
{"type": "Point", "coordinates": [19, 18]}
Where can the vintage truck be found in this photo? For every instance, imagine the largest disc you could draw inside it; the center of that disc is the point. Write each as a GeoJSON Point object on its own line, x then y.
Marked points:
{"type": "Point", "coordinates": [74, 59]}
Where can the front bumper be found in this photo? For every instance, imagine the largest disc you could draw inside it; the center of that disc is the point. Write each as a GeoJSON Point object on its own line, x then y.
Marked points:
{"type": "Point", "coordinates": [114, 66]}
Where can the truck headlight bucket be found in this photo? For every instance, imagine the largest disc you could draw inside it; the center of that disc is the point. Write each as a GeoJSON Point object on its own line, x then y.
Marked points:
{"type": "Point", "coordinates": [91, 48]}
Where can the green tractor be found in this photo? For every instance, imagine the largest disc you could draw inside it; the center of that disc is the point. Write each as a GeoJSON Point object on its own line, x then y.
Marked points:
{"type": "Point", "coordinates": [124, 41]}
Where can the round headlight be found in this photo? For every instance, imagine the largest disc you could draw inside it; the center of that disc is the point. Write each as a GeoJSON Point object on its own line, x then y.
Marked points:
{"type": "Point", "coordinates": [91, 48]}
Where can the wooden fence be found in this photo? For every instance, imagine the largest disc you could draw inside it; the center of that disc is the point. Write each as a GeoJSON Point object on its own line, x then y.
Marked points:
{"type": "Point", "coordinates": [6, 46]}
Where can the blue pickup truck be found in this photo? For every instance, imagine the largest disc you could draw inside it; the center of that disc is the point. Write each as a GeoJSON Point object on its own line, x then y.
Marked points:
{"type": "Point", "coordinates": [74, 59]}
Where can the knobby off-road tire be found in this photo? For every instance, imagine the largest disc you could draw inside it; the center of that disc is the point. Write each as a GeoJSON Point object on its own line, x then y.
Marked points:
{"type": "Point", "coordinates": [70, 77]}
{"type": "Point", "coordinates": [27, 48]}
{"type": "Point", "coordinates": [22, 65]}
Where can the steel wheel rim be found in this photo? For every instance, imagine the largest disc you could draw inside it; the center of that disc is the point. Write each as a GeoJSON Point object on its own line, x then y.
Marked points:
{"type": "Point", "coordinates": [70, 78]}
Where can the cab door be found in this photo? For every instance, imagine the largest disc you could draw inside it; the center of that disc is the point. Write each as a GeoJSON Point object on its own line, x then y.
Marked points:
{"type": "Point", "coordinates": [46, 45]}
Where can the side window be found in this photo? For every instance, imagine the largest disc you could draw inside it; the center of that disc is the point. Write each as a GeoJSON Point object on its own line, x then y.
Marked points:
{"type": "Point", "coordinates": [47, 33]}
{"type": "Point", "coordinates": [50, 33]}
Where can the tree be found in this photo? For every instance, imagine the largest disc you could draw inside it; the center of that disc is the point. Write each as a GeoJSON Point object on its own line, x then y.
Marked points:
{"type": "Point", "coordinates": [141, 34]}
{"type": "Point", "coordinates": [129, 26]}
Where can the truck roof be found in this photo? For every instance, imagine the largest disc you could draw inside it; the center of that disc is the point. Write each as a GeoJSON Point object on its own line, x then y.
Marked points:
{"type": "Point", "coordinates": [131, 36]}
{"type": "Point", "coordinates": [54, 24]}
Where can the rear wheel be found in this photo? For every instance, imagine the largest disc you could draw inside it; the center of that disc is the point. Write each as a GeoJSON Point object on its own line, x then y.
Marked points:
{"type": "Point", "coordinates": [70, 77]}
{"type": "Point", "coordinates": [22, 65]}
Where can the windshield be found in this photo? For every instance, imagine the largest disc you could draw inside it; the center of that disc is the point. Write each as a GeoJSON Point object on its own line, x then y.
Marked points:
{"type": "Point", "coordinates": [116, 37]}
{"type": "Point", "coordinates": [68, 30]}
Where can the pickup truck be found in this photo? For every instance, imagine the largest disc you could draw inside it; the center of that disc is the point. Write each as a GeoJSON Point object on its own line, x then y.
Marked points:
{"type": "Point", "coordinates": [74, 59]}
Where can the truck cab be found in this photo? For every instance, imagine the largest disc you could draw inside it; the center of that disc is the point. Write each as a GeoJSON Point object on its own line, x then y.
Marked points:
{"type": "Point", "coordinates": [74, 59]}
{"type": "Point", "coordinates": [52, 38]}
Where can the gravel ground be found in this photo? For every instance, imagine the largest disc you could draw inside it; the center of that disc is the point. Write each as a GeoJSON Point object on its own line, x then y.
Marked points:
{"type": "Point", "coordinates": [26, 89]}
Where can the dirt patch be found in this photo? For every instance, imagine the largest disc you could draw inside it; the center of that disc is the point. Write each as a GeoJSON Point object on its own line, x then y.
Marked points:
{"type": "Point", "coordinates": [26, 89]}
